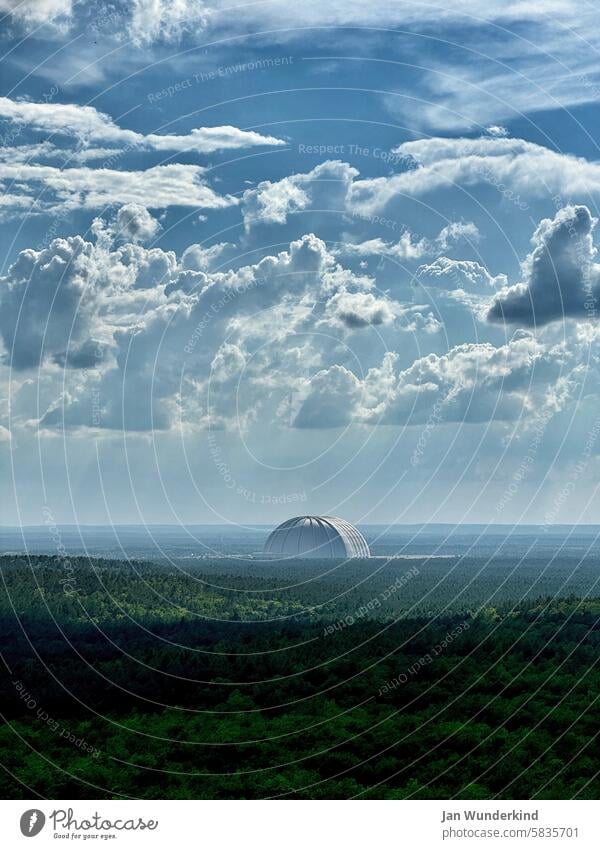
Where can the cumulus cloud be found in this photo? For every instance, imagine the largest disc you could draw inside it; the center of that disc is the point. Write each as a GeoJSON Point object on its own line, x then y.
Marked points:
{"type": "Point", "coordinates": [89, 126]}
{"type": "Point", "coordinates": [84, 355]}
{"type": "Point", "coordinates": [516, 168]}
{"type": "Point", "coordinates": [454, 232]}
{"type": "Point", "coordinates": [40, 186]}
{"type": "Point", "coordinates": [135, 224]}
{"type": "Point", "coordinates": [410, 247]}
{"type": "Point", "coordinates": [336, 397]}
{"type": "Point", "coordinates": [133, 339]}
{"type": "Point", "coordinates": [451, 274]}
{"type": "Point", "coordinates": [476, 383]}
{"type": "Point", "coordinates": [59, 279]}
{"type": "Point", "coordinates": [141, 268]}
{"type": "Point", "coordinates": [249, 316]}
{"type": "Point", "coordinates": [472, 383]}
{"type": "Point", "coordinates": [200, 258]}
{"type": "Point", "coordinates": [63, 303]}
{"type": "Point", "coordinates": [326, 187]}
{"type": "Point", "coordinates": [121, 319]}
{"type": "Point", "coordinates": [561, 279]}
{"type": "Point", "coordinates": [333, 186]}
{"type": "Point", "coordinates": [359, 309]}
{"type": "Point", "coordinates": [330, 399]}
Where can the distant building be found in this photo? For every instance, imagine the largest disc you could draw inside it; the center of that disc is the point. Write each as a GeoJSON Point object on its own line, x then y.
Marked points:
{"type": "Point", "coordinates": [316, 537]}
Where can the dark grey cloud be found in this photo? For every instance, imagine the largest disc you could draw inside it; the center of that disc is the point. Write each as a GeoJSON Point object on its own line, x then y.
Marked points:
{"type": "Point", "coordinates": [360, 309]}
{"type": "Point", "coordinates": [87, 355]}
{"type": "Point", "coordinates": [561, 277]}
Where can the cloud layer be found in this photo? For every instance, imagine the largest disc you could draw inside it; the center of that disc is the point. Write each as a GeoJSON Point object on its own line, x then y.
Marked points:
{"type": "Point", "coordinates": [142, 340]}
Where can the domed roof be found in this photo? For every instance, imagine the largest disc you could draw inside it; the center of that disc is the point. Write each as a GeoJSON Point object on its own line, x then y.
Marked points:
{"type": "Point", "coordinates": [316, 537]}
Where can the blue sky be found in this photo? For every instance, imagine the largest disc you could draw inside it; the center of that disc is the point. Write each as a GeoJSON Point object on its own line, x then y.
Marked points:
{"type": "Point", "coordinates": [261, 260]}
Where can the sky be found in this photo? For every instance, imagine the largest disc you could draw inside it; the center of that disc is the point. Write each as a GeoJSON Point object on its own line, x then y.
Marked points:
{"type": "Point", "coordinates": [270, 259]}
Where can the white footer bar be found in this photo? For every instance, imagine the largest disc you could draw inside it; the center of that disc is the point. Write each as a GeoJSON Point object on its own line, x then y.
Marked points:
{"type": "Point", "coordinates": [300, 824]}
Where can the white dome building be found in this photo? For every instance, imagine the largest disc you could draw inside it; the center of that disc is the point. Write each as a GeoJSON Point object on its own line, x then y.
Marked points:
{"type": "Point", "coordinates": [316, 537]}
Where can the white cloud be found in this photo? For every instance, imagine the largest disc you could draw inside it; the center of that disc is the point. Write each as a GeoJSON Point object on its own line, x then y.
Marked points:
{"type": "Point", "coordinates": [454, 232]}
{"type": "Point", "coordinates": [445, 273]}
{"type": "Point", "coordinates": [135, 267]}
{"type": "Point", "coordinates": [359, 309]}
{"type": "Point", "coordinates": [497, 131]}
{"type": "Point", "coordinates": [528, 169]}
{"type": "Point", "coordinates": [131, 338]}
{"type": "Point", "coordinates": [473, 383]}
{"type": "Point", "coordinates": [410, 247]}
{"type": "Point", "coordinates": [328, 399]}
{"type": "Point", "coordinates": [166, 20]}
{"type": "Point", "coordinates": [407, 247]}
{"type": "Point", "coordinates": [135, 224]}
{"type": "Point", "coordinates": [169, 19]}
{"type": "Point", "coordinates": [199, 258]}
{"type": "Point", "coordinates": [129, 317]}
{"type": "Point", "coordinates": [89, 126]}
{"type": "Point", "coordinates": [34, 12]}
{"type": "Point", "coordinates": [62, 304]}
{"type": "Point", "coordinates": [517, 169]}
{"type": "Point", "coordinates": [507, 78]}
{"type": "Point", "coordinates": [326, 187]}
{"type": "Point", "coordinates": [58, 281]}
{"type": "Point", "coordinates": [517, 57]}
{"type": "Point", "coordinates": [155, 188]}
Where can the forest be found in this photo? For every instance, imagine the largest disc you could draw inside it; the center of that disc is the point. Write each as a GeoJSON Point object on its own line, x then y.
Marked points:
{"type": "Point", "coordinates": [381, 679]}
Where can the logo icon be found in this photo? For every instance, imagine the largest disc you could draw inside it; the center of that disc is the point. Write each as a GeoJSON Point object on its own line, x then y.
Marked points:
{"type": "Point", "coordinates": [32, 822]}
